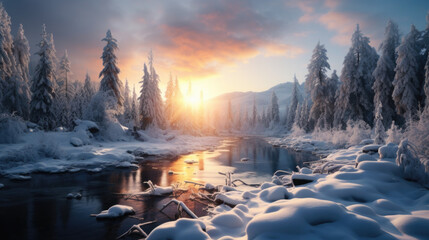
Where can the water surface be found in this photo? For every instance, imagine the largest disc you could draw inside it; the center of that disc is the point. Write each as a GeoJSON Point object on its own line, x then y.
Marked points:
{"type": "Point", "coordinates": [38, 209]}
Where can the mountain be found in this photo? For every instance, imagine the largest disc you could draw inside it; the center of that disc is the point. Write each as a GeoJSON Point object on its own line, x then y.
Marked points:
{"type": "Point", "coordinates": [244, 100]}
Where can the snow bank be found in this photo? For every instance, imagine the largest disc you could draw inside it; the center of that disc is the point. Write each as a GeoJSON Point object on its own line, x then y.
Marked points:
{"type": "Point", "coordinates": [370, 201]}
{"type": "Point", "coordinates": [11, 128]}
{"type": "Point", "coordinates": [115, 211]}
{"type": "Point", "coordinates": [182, 229]}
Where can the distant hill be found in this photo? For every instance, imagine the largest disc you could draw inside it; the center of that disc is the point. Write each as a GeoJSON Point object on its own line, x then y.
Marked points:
{"type": "Point", "coordinates": [244, 100]}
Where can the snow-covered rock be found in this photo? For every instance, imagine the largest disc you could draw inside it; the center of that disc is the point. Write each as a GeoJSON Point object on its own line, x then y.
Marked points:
{"type": "Point", "coordinates": [364, 157]}
{"type": "Point", "coordinates": [366, 142]}
{"type": "Point", "coordinates": [1, 185]}
{"type": "Point", "coordinates": [76, 142]}
{"type": "Point", "coordinates": [182, 229]}
{"type": "Point", "coordinates": [305, 170]}
{"type": "Point", "coordinates": [116, 211]}
{"type": "Point", "coordinates": [372, 148]}
{"type": "Point", "coordinates": [74, 196]}
{"type": "Point", "coordinates": [388, 151]}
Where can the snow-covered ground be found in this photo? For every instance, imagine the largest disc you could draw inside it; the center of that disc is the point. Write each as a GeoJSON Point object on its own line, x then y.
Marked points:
{"type": "Point", "coordinates": [57, 152]}
{"type": "Point", "coordinates": [365, 198]}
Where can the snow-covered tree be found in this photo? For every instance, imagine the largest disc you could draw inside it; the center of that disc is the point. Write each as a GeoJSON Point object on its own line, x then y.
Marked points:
{"type": "Point", "coordinates": [134, 109]}
{"type": "Point", "coordinates": [110, 81]}
{"type": "Point", "coordinates": [394, 134]}
{"type": "Point", "coordinates": [426, 85]}
{"type": "Point", "coordinates": [158, 105]}
{"type": "Point", "coordinates": [327, 118]}
{"type": "Point", "coordinates": [254, 113]}
{"type": "Point", "coordinates": [88, 90]}
{"type": "Point", "coordinates": [355, 101]}
{"type": "Point", "coordinates": [408, 161]}
{"type": "Point", "coordinates": [21, 51]}
{"type": "Point", "coordinates": [42, 87]}
{"type": "Point", "coordinates": [275, 113]}
{"type": "Point", "coordinates": [316, 83]}
{"type": "Point", "coordinates": [384, 73]}
{"type": "Point", "coordinates": [380, 133]}
{"type": "Point", "coordinates": [7, 59]}
{"type": "Point", "coordinates": [77, 103]}
{"type": "Point", "coordinates": [127, 118]}
{"type": "Point", "coordinates": [406, 82]}
{"type": "Point", "coordinates": [169, 98]}
{"type": "Point", "coordinates": [146, 108]}
{"type": "Point", "coordinates": [229, 116]}
{"type": "Point", "coordinates": [63, 78]}
{"type": "Point", "coordinates": [293, 104]}
{"type": "Point", "coordinates": [16, 97]}
{"type": "Point", "coordinates": [177, 115]}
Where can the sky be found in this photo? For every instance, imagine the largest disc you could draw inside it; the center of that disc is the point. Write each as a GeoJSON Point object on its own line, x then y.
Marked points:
{"type": "Point", "coordinates": [218, 46]}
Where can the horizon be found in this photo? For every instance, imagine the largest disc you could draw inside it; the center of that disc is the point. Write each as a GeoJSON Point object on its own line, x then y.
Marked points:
{"type": "Point", "coordinates": [219, 47]}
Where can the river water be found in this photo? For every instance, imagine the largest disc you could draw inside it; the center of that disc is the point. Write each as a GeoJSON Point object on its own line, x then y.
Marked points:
{"type": "Point", "coordinates": [39, 209]}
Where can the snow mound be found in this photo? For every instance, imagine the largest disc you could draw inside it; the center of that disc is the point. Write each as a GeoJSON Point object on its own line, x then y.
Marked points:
{"type": "Point", "coordinates": [76, 142]}
{"type": "Point", "coordinates": [388, 151]}
{"type": "Point", "coordinates": [371, 148]}
{"type": "Point", "coordinates": [309, 219]}
{"type": "Point", "coordinates": [273, 194]}
{"type": "Point", "coordinates": [1, 185]}
{"type": "Point", "coordinates": [182, 229]}
{"type": "Point", "coordinates": [364, 157]}
{"type": "Point", "coordinates": [74, 196]}
{"type": "Point", "coordinates": [305, 170]}
{"type": "Point", "coordinates": [116, 211]}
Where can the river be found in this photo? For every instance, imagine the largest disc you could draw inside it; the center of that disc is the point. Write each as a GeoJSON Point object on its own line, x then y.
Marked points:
{"type": "Point", "coordinates": [39, 209]}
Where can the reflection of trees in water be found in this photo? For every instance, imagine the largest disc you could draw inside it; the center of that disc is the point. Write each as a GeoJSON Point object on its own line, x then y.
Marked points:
{"type": "Point", "coordinates": [274, 158]}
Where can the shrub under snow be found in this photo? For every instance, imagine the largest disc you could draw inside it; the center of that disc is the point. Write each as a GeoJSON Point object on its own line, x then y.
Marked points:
{"type": "Point", "coordinates": [410, 164]}
{"type": "Point", "coordinates": [11, 127]}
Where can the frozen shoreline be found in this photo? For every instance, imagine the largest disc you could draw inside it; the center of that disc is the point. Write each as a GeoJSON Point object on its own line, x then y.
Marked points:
{"type": "Point", "coordinates": [53, 152]}
{"type": "Point", "coordinates": [369, 201]}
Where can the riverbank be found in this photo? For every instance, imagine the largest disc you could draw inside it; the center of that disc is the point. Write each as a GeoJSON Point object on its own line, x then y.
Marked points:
{"type": "Point", "coordinates": [365, 198]}
{"type": "Point", "coordinates": [59, 152]}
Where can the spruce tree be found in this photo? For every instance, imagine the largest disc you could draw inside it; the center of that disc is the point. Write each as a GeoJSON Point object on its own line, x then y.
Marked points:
{"type": "Point", "coordinates": [158, 105]}
{"type": "Point", "coordinates": [275, 113]}
{"type": "Point", "coordinates": [146, 109]}
{"type": "Point", "coordinates": [42, 87]}
{"type": "Point", "coordinates": [21, 51]}
{"type": "Point", "coordinates": [127, 105]}
{"type": "Point", "coordinates": [169, 99]}
{"type": "Point", "coordinates": [384, 74]}
{"type": "Point", "coordinates": [293, 104]}
{"type": "Point", "coordinates": [406, 82]}
{"type": "Point", "coordinates": [379, 129]}
{"type": "Point", "coordinates": [254, 113]}
{"type": "Point", "coordinates": [355, 101]}
{"type": "Point", "coordinates": [110, 82]}
{"type": "Point", "coordinates": [317, 84]}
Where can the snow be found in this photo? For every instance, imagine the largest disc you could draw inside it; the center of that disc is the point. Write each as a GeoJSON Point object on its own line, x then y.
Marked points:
{"type": "Point", "coordinates": [51, 152]}
{"type": "Point", "coordinates": [1, 185]}
{"type": "Point", "coordinates": [369, 201]}
{"type": "Point", "coordinates": [115, 211]}
{"type": "Point", "coordinates": [74, 196]}
{"type": "Point", "coordinates": [76, 142]}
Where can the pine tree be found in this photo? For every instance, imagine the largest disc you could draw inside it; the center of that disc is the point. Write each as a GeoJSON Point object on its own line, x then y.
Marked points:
{"type": "Point", "coordinates": [254, 113]}
{"type": "Point", "coordinates": [317, 84]}
{"type": "Point", "coordinates": [21, 50]}
{"type": "Point", "coordinates": [380, 133]}
{"type": "Point", "coordinates": [169, 99]}
{"type": "Point", "coordinates": [275, 113]}
{"type": "Point", "coordinates": [331, 94]}
{"type": "Point", "coordinates": [294, 104]}
{"type": "Point", "coordinates": [134, 110]}
{"type": "Point", "coordinates": [127, 105]}
{"type": "Point", "coordinates": [110, 83]}
{"type": "Point", "coordinates": [42, 87]}
{"type": "Point", "coordinates": [63, 79]}
{"type": "Point", "coordinates": [177, 118]}
{"type": "Point", "coordinates": [158, 105]}
{"type": "Point", "coordinates": [355, 101]}
{"type": "Point", "coordinates": [88, 90]}
{"type": "Point", "coordinates": [77, 103]}
{"type": "Point", "coordinates": [229, 117]}
{"type": "Point", "coordinates": [384, 74]}
{"type": "Point", "coordinates": [7, 61]}
{"type": "Point", "coordinates": [146, 109]}
{"type": "Point", "coordinates": [406, 82]}
{"type": "Point", "coordinates": [426, 86]}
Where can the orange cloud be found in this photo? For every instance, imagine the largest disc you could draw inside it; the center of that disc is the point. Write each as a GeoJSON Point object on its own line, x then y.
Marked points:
{"type": "Point", "coordinates": [343, 24]}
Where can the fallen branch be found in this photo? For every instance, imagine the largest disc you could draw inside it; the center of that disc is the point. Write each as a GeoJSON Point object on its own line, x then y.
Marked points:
{"type": "Point", "coordinates": [136, 229]}
{"type": "Point", "coordinates": [180, 207]}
